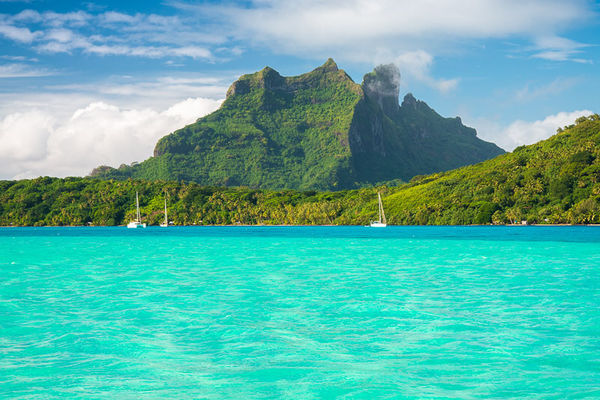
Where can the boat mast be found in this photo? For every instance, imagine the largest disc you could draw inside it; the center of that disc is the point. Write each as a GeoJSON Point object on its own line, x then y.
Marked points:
{"type": "Point", "coordinates": [166, 219]}
{"type": "Point", "coordinates": [379, 204]}
{"type": "Point", "coordinates": [137, 208]}
{"type": "Point", "coordinates": [381, 210]}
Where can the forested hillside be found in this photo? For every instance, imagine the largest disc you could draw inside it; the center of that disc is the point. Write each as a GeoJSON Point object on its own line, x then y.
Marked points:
{"type": "Point", "coordinates": [318, 130]}
{"type": "Point", "coordinates": [83, 201]}
{"type": "Point", "coordinates": [553, 181]}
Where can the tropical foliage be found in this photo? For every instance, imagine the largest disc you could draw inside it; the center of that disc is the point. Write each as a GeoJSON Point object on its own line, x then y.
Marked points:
{"type": "Point", "coordinates": [319, 130]}
{"type": "Point", "coordinates": [553, 181]}
{"type": "Point", "coordinates": [86, 201]}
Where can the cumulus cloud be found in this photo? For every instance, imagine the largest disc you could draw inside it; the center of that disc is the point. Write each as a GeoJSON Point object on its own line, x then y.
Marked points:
{"type": "Point", "coordinates": [23, 136]}
{"type": "Point", "coordinates": [525, 132]}
{"type": "Point", "coordinates": [37, 143]}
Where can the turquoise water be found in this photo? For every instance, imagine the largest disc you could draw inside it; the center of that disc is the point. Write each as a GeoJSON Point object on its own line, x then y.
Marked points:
{"type": "Point", "coordinates": [300, 312]}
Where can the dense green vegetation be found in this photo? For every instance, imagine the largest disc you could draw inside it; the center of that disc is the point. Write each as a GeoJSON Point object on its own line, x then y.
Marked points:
{"type": "Point", "coordinates": [82, 201]}
{"type": "Point", "coordinates": [271, 132]}
{"type": "Point", "coordinates": [553, 181]}
{"type": "Point", "coordinates": [391, 140]}
{"type": "Point", "coordinates": [319, 130]}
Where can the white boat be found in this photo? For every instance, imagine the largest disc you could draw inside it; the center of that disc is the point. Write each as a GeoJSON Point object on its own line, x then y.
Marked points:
{"type": "Point", "coordinates": [137, 222]}
{"type": "Point", "coordinates": [381, 222]}
{"type": "Point", "coordinates": [166, 221]}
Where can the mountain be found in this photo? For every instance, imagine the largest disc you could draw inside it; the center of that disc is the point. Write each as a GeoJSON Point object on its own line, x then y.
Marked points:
{"type": "Point", "coordinates": [553, 181]}
{"type": "Point", "coordinates": [319, 130]}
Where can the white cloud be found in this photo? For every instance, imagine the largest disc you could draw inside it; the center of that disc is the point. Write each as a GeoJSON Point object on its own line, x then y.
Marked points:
{"type": "Point", "coordinates": [22, 35]}
{"type": "Point", "coordinates": [349, 30]}
{"type": "Point", "coordinates": [316, 25]}
{"type": "Point", "coordinates": [191, 51]}
{"type": "Point", "coordinates": [525, 132]}
{"type": "Point", "coordinates": [111, 33]}
{"type": "Point", "coordinates": [146, 51]}
{"type": "Point", "coordinates": [23, 136]}
{"type": "Point", "coordinates": [18, 58]}
{"type": "Point", "coordinates": [409, 32]}
{"type": "Point", "coordinates": [75, 19]}
{"type": "Point", "coordinates": [70, 129]}
{"type": "Point", "coordinates": [37, 143]}
{"type": "Point", "coordinates": [62, 40]}
{"type": "Point", "coordinates": [111, 17]}
{"type": "Point", "coordinates": [417, 64]}
{"type": "Point", "coordinates": [557, 86]}
{"type": "Point", "coordinates": [60, 35]}
{"type": "Point", "coordinates": [126, 92]}
{"type": "Point", "coordinates": [556, 48]}
{"type": "Point", "coordinates": [561, 55]}
{"type": "Point", "coordinates": [18, 70]}
{"type": "Point", "coordinates": [28, 16]}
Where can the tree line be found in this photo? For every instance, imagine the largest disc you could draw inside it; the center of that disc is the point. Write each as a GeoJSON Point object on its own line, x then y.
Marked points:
{"type": "Point", "coordinates": [554, 181]}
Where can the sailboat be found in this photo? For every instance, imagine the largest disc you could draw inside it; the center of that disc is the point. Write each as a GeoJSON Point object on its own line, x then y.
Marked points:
{"type": "Point", "coordinates": [137, 222]}
{"type": "Point", "coordinates": [381, 222]}
{"type": "Point", "coordinates": [166, 222]}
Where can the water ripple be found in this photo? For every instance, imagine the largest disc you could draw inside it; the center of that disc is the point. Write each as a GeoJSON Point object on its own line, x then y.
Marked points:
{"type": "Point", "coordinates": [300, 313]}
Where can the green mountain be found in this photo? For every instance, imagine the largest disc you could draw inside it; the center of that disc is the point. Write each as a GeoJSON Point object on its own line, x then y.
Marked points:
{"type": "Point", "coordinates": [553, 181]}
{"type": "Point", "coordinates": [319, 130]}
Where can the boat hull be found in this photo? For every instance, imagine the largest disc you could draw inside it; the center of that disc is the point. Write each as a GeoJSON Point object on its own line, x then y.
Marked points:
{"type": "Point", "coordinates": [135, 225]}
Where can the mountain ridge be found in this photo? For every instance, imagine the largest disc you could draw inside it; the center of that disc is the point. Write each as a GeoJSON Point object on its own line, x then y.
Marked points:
{"type": "Point", "coordinates": [318, 130]}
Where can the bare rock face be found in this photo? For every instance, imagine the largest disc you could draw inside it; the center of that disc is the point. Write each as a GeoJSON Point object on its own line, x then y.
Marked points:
{"type": "Point", "coordinates": [409, 102]}
{"type": "Point", "coordinates": [409, 139]}
{"type": "Point", "coordinates": [238, 87]}
{"type": "Point", "coordinates": [329, 66]}
{"type": "Point", "coordinates": [270, 79]}
{"type": "Point", "coordinates": [267, 78]}
{"type": "Point", "coordinates": [383, 87]}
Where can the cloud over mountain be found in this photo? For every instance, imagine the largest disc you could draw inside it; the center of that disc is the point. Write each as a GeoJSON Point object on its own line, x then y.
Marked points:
{"type": "Point", "coordinates": [35, 142]}
{"type": "Point", "coordinates": [521, 132]}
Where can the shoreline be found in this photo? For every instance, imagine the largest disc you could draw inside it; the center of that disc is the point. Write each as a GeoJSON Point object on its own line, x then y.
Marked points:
{"type": "Point", "coordinates": [288, 226]}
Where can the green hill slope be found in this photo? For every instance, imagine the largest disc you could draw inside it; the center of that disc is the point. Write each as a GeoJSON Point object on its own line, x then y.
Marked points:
{"type": "Point", "coordinates": [554, 181]}
{"type": "Point", "coordinates": [319, 130]}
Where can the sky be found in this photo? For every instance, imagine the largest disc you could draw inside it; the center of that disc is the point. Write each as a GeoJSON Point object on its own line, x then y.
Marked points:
{"type": "Point", "coordinates": [84, 84]}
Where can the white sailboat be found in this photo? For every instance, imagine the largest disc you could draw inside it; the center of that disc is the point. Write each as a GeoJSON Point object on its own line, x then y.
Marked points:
{"type": "Point", "coordinates": [137, 223]}
{"type": "Point", "coordinates": [166, 221]}
{"type": "Point", "coordinates": [381, 222]}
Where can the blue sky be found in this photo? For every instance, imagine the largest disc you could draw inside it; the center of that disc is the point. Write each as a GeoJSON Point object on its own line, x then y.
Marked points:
{"type": "Point", "coordinates": [84, 84]}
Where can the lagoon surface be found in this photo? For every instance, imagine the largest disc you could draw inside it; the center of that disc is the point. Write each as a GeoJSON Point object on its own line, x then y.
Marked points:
{"type": "Point", "coordinates": [300, 312]}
